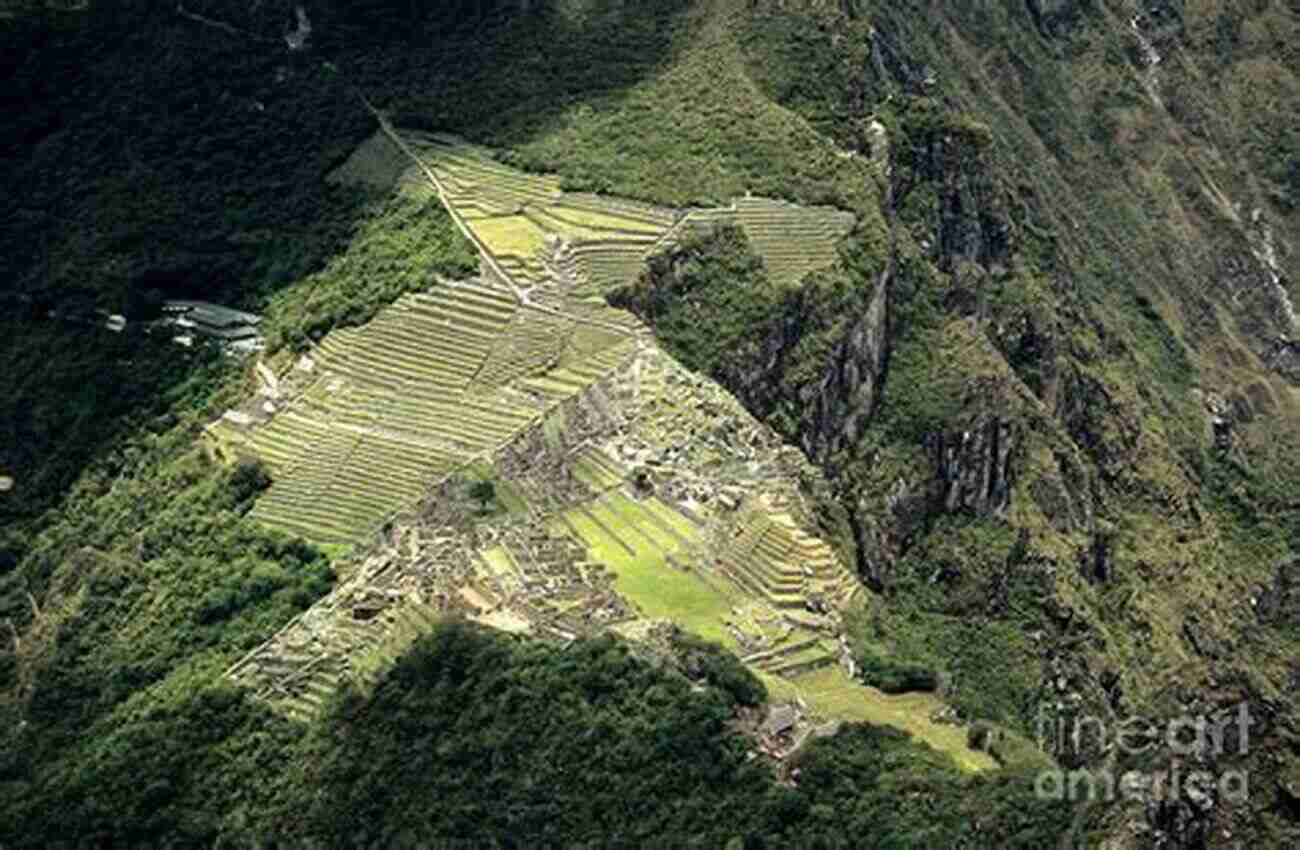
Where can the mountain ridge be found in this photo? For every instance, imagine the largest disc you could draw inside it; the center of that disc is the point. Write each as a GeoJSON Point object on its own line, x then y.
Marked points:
{"type": "Point", "coordinates": [1049, 380]}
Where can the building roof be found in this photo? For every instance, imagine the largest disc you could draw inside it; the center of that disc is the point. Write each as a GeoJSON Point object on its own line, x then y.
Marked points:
{"type": "Point", "coordinates": [214, 315]}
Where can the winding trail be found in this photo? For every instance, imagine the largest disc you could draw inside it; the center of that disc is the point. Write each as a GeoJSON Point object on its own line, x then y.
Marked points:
{"type": "Point", "coordinates": [221, 25]}
{"type": "Point", "coordinates": [520, 295]}
{"type": "Point", "coordinates": [387, 128]}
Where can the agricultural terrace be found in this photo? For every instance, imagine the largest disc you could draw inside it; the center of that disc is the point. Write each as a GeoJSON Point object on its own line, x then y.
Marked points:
{"type": "Point", "coordinates": [792, 240]}
{"type": "Point", "coordinates": [377, 415]}
{"type": "Point", "coordinates": [587, 244]}
{"type": "Point", "coordinates": [373, 417]}
{"type": "Point", "coordinates": [646, 495]}
{"type": "Point", "coordinates": [537, 464]}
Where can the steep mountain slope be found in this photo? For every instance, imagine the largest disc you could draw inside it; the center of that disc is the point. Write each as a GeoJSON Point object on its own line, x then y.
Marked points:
{"type": "Point", "coordinates": [1051, 379]}
{"type": "Point", "coordinates": [1087, 429]}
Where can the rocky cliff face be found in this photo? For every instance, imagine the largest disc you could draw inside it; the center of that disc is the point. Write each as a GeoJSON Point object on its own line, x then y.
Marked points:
{"type": "Point", "coordinates": [841, 403]}
{"type": "Point", "coordinates": [972, 469]}
{"type": "Point", "coordinates": [1084, 342]}
{"type": "Point", "coordinates": [829, 406]}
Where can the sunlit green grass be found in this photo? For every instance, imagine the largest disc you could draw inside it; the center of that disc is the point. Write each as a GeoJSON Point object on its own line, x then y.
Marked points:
{"type": "Point", "coordinates": [656, 588]}
{"type": "Point", "coordinates": [661, 591]}
{"type": "Point", "coordinates": [833, 694]}
{"type": "Point", "coordinates": [679, 523]}
{"type": "Point", "coordinates": [498, 560]}
{"type": "Point", "coordinates": [633, 512]}
{"type": "Point", "coordinates": [514, 235]}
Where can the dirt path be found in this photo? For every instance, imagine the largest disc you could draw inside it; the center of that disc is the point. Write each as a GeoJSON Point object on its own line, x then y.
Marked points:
{"type": "Point", "coordinates": [520, 294]}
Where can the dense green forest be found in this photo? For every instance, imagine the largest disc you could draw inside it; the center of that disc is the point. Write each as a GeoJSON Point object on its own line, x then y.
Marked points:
{"type": "Point", "coordinates": [478, 737]}
{"type": "Point", "coordinates": [704, 298]}
{"type": "Point", "coordinates": [1051, 381]}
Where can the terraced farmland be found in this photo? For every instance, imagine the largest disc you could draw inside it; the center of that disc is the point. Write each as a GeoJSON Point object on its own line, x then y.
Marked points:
{"type": "Point", "coordinates": [585, 245]}
{"type": "Point", "coordinates": [792, 240]}
{"type": "Point", "coordinates": [382, 413]}
{"type": "Point", "coordinates": [778, 561]}
{"type": "Point", "coordinates": [583, 549]}
{"type": "Point", "coordinates": [513, 214]}
{"type": "Point", "coordinates": [630, 491]}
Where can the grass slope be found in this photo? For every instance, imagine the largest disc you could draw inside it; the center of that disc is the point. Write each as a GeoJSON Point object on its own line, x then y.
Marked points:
{"type": "Point", "coordinates": [644, 577]}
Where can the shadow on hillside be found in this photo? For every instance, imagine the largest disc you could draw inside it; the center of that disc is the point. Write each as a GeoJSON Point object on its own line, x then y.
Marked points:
{"type": "Point", "coordinates": [150, 152]}
{"type": "Point", "coordinates": [506, 78]}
